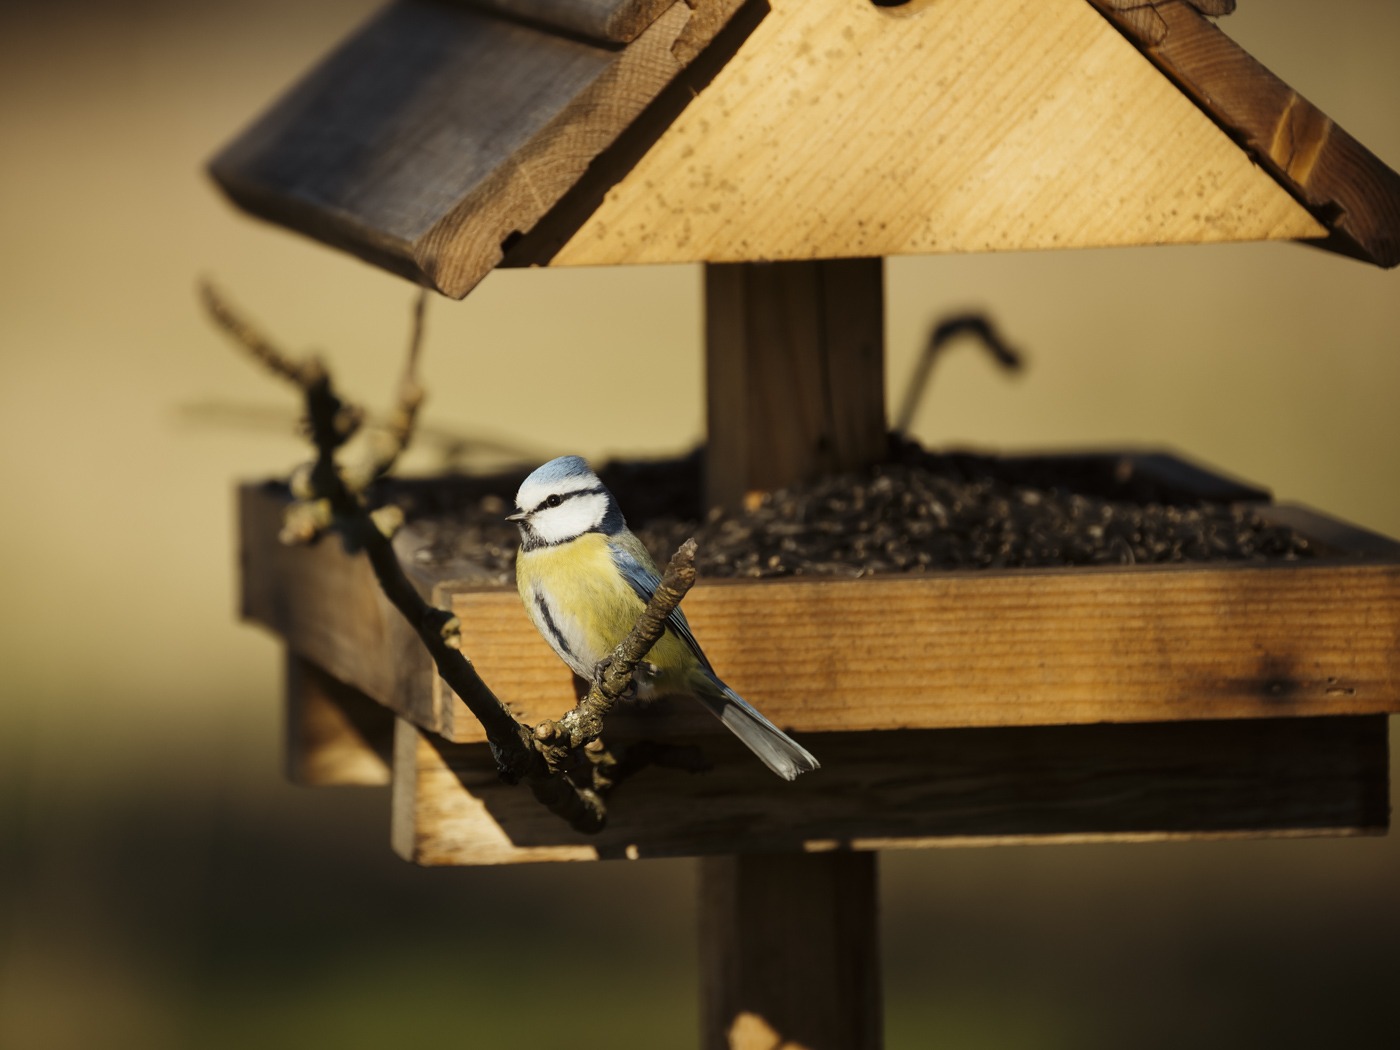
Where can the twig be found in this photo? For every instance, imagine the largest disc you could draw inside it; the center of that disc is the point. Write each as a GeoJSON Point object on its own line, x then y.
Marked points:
{"type": "Point", "coordinates": [973, 324]}
{"type": "Point", "coordinates": [541, 757]}
{"type": "Point", "coordinates": [582, 727]}
{"type": "Point", "coordinates": [387, 442]}
{"type": "Point", "coordinates": [302, 373]}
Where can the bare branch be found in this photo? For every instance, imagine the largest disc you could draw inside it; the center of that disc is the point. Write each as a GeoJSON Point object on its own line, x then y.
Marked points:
{"type": "Point", "coordinates": [547, 757]}
{"type": "Point", "coordinates": [339, 419]}
{"type": "Point", "coordinates": [388, 441]}
{"type": "Point", "coordinates": [580, 730]}
{"type": "Point", "coordinates": [584, 723]}
{"type": "Point", "coordinates": [258, 345]}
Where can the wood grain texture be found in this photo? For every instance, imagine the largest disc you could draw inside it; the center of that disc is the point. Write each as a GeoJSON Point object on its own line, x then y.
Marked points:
{"type": "Point", "coordinates": [795, 377]}
{"type": "Point", "coordinates": [1345, 186]}
{"type": "Point", "coordinates": [336, 736]}
{"type": "Point", "coordinates": [1143, 20]}
{"type": "Point", "coordinates": [991, 648]}
{"type": "Point", "coordinates": [840, 129]}
{"type": "Point", "coordinates": [789, 952]}
{"type": "Point", "coordinates": [615, 21]}
{"type": "Point", "coordinates": [438, 131]}
{"type": "Point", "coordinates": [1045, 647]}
{"type": "Point", "coordinates": [794, 373]}
{"type": "Point", "coordinates": [326, 605]}
{"type": "Point", "coordinates": [1263, 777]}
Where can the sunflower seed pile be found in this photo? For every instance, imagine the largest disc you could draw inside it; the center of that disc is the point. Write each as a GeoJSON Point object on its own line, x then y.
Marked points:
{"type": "Point", "coordinates": [907, 520]}
{"type": "Point", "coordinates": [923, 513]}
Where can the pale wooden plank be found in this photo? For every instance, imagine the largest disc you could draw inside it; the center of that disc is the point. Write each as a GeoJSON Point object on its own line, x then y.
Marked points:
{"type": "Point", "coordinates": [1347, 187]}
{"type": "Point", "coordinates": [432, 818]}
{"type": "Point", "coordinates": [1121, 644]}
{"type": "Point", "coordinates": [436, 132]}
{"type": "Point", "coordinates": [1034, 647]}
{"type": "Point", "coordinates": [795, 377]}
{"type": "Point", "coordinates": [789, 952]}
{"type": "Point", "coordinates": [918, 789]}
{"type": "Point", "coordinates": [840, 129]}
{"type": "Point", "coordinates": [336, 736]}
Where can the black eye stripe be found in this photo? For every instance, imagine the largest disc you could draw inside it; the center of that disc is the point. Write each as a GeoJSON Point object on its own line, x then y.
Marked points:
{"type": "Point", "coordinates": [562, 496]}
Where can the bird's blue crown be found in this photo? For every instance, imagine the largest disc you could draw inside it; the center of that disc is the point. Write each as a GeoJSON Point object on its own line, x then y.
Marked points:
{"type": "Point", "coordinates": [561, 469]}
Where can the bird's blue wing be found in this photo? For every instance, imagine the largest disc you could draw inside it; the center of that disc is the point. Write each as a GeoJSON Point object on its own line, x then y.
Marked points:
{"type": "Point", "coordinates": [642, 578]}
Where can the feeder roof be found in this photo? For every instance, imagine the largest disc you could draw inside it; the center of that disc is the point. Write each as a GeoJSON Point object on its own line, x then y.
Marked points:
{"type": "Point", "coordinates": [445, 138]}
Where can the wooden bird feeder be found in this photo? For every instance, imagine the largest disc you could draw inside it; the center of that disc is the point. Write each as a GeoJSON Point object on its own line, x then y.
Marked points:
{"type": "Point", "coordinates": [790, 146]}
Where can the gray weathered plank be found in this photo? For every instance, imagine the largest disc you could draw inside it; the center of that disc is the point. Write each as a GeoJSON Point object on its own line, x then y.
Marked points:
{"type": "Point", "coordinates": [437, 132]}
{"type": "Point", "coordinates": [617, 21]}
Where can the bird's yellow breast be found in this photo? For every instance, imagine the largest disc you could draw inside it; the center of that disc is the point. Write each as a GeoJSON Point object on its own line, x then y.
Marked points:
{"type": "Point", "coordinates": [580, 581]}
{"type": "Point", "coordinates": [582, 605]}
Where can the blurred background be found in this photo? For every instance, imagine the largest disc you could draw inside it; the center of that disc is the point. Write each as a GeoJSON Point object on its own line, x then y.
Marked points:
{"type": "Point", "coordinates": [162, 886]}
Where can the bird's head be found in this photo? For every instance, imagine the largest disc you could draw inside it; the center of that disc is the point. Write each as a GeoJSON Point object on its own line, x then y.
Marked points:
{"type": "Point", "coordinates": [561, 501]}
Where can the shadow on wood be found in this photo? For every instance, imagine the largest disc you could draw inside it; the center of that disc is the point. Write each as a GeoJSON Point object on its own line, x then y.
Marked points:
{"type": "Point", "coordinates": [336, 736]}
{"type": "Point", "coordinates": [789, 952]}
{"type": "Point", "coordinates": [1255, 777]}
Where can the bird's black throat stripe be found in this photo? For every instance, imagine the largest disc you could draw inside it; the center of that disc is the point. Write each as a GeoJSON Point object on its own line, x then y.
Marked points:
{"type": "Point", "coordinates": [553, 628]}
{"type": "Point", "coordinates": [530, 540]}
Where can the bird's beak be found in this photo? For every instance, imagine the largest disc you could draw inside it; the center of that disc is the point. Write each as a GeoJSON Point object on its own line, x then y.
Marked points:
{"type": "Point", "coordinates": [519, 515]}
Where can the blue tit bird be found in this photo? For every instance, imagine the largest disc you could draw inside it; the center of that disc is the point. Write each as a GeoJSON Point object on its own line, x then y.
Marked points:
{"type": "Point", "coordinates": [585, 579]}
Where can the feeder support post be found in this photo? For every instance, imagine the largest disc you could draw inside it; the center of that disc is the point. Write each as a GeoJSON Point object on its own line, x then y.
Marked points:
{"type": "Point", "coordinates": [794, 371]}
{"type": "Point", "coordinates": [789, 952]}
{"type": "Point", "coordinates": [789, 943]}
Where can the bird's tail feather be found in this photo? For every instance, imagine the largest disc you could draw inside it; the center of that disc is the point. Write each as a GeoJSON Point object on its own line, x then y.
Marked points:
{"type": "Point", "coordinates": [779, 752]}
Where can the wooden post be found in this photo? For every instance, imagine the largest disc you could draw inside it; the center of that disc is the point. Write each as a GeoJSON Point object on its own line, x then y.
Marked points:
{"type": "Point", "coordinates": [795, 372]}
{"type": "Point", "coordinates": [789, 952]}
{"type": "Point", "coordinates": [335, 735]}
{"type": "Point", "coordinates": [789, 945]}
